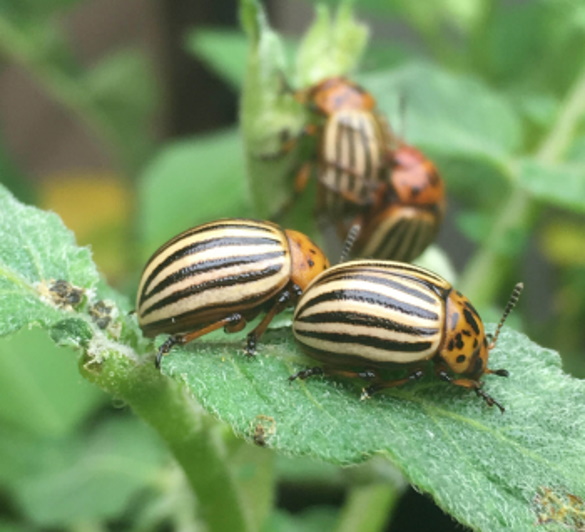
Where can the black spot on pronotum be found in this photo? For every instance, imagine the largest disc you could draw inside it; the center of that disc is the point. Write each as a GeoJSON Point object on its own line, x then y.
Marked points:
{"type": "Point", "coordinates": [311, 263]}
{"type": "Point", "coordinates": [470, 318]}
{"type": "Point", "coordinates": [460, 359]}
{"type": "Point", "coordinates": [459, 341]}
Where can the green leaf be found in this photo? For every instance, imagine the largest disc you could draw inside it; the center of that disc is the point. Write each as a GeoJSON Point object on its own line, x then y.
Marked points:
{"type": "Point", "coordinates": [556, 37]}
{"type": "Point", "coordinates": [48, 281]}
{"type": "Point", "coordinates": [446, 441]}
{"type": "Point", "coordinates": [267, 112]}
{"type": "Point", "coordinates": [453, 114]}
{"type": "Point", "coordinates": [35, 249]}
{"type": "Point", "coordinates": [556, 184]}
{"type": "Point", "coordinates": [41, 389]}
{"type": "Point", "coordinates": [223, 50]}
{"type": "Point", "coordinates": [332, 46]}
{"type": "Point", "coordinates": [88, 478]}
{"type": "Point", "coordinates": [511, 51]}
{"type": "Point", "coordinates": [191, 182]}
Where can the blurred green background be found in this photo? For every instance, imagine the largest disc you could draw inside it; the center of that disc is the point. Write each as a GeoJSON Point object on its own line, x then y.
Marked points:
{"type": "Point", "coordinates": [123, 118]}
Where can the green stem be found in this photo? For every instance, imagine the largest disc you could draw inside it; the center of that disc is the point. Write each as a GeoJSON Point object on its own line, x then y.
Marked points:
{"type": "Point", "coordinates": [368, 508]}
{"type": "Point", "coordinates": [65, 88]}
{"type": "Point", "coordinates": [490, 266]}
{"type": "Point", "coordinates": [187, 430]}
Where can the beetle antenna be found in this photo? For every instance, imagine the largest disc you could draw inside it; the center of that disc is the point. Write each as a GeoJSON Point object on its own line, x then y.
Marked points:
{"type": "Point", "coordinates": [352, 235]}
{"type": "Point", "coordinates": [514, 296]}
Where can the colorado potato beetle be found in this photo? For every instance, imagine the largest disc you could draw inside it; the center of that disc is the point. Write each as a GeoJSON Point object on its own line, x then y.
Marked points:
{"type": "Point", "coordinates": [368, 176]}
{"type": "Point", "coordinates": [406, 216]}
{"type": "Point", "coordinates": [361, 318]}
{"type": "Point", "coordinates": [223, 274]}
{"type": "Point", "coordinates": [349, 149]}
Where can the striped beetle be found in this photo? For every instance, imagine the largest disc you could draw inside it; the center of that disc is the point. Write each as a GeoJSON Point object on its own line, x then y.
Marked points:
{"type": "Point", "coordinates": [362, 317]}
{"type": "Point", "coordinates": [406, 216]}
{"type": "Point", "coordinates": [223, 274]}
{"type": "Point", "coordinates": [367, 176]}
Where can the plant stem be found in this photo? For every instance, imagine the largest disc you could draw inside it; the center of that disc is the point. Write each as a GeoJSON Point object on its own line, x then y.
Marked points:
{"type": "Point", "coordinates": [187, 430]}
{"type": "Point", "coordinates": [490, 266]}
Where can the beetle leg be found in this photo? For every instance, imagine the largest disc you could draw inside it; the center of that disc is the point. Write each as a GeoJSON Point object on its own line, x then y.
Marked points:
{"type": "Point", "coordinates": [367, 374]}
{"type": "Point", "coordinates": [473, 385]}
{"type": "Point", "coordinates": [288, 143]}
{"type": "Point", "coordinates": [498, 372]}
{"type": "Point", "coordinates": [306, 373]}
{"type": "Point", "coordinates": [284, 299]}
{"type": "Point", "coordinates": [232, 323]}
{"type": "Point", "coordinates": [368, 391]}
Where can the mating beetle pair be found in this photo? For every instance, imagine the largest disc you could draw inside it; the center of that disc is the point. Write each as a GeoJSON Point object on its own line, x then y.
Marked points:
{"type": "Point", "coordinates": [367, 175]}
{"type": "Point", "coordinates": [359, 317]}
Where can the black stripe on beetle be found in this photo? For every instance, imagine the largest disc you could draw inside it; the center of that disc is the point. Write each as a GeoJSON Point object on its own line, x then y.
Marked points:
{"type": "Point", "coordinates": [222, 282]}
{"type": "Point", "coordinates": [365, 340]}
{"type": "Point", "coordinates": [369, 320]}
{"type": "Point", "coordinates": [206, 266]}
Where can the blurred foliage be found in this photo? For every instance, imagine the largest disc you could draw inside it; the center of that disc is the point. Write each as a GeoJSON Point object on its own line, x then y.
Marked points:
{"type": "Point", "coordinates": [495, 93]}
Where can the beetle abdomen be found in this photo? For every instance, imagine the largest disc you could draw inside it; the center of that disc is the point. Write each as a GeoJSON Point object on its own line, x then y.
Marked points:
{"type": "Point", "coordinates": [399, 233]}
{"type": "Point", "coordinates": [370, 313]}
{"type": "Point", "coordinates": [206, 273]}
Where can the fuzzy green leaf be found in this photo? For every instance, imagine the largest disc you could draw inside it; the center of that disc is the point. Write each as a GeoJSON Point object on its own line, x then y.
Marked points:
{"type": "Point", "coordinates": [332, 46]}
{"type": "Point", "coordinates": [46, 280]}
{"type": "Point", "coordinates": [267, 112]}
{"type": "Point", "coordinates": [446, 441]}
{"type": "Point", "coordinates": [36, 249]}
